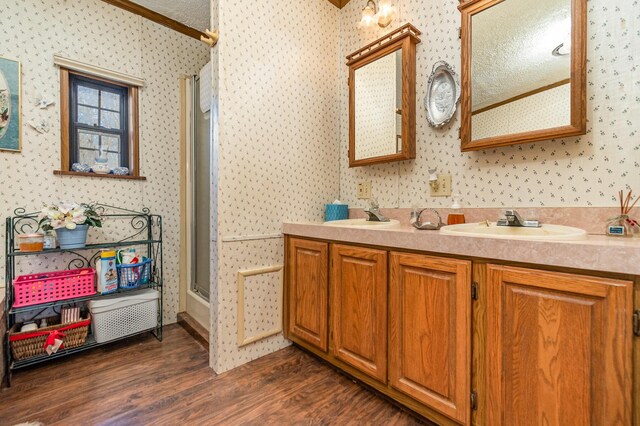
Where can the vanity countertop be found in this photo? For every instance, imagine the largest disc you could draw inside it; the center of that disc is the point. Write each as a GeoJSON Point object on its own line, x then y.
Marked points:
{"type": "Point", "coordinates": [597, 252]}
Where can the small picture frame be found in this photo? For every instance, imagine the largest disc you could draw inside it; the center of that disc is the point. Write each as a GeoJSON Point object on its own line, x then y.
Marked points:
{"type": "Point", "coordinates": [10, 105]}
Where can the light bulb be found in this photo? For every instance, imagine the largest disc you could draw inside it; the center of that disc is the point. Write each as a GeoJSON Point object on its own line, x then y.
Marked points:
{"type": "Point", "coordinates": [386, 12]}
{"type": "Point", "coordinates": [385, 8]}
{"type": "Point", "coordinates": [367, 16]}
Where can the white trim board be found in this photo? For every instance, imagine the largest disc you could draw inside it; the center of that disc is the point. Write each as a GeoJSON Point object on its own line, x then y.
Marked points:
{"type": "Point", "coordinates": [242, 339]}
{"type": "Point", "coordinates": [74, 65]}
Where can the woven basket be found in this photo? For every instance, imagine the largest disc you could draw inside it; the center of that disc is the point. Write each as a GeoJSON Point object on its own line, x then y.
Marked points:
{"type": "Point", "coordinates": [24, 347]}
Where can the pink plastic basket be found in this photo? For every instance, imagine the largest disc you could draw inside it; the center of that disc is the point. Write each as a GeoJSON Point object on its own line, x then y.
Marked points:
{"type": "Point", "coordinates": [52, 286]}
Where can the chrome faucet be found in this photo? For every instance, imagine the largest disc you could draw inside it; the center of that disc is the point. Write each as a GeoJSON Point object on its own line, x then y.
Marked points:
{"type": "Point", "coordinates": [513, 218]}
{"type": "Point", "coordinates": [430, 226]}
{"type": "Point", "coordinates": [374, 212]}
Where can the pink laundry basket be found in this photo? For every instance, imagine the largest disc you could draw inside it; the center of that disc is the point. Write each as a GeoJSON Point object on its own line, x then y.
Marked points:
{"type": "Point", "coordinates": [48, 287]}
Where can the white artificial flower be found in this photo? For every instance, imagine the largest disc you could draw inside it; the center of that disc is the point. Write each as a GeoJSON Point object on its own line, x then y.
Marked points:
{"type": "Point", "coordinates": [79, 219]}
{"type": "Point", "coordinates": [66, 206]}
{"type": "Point", "coordinates": [70, 225]}
{"type": "Point", "coordinates": [46, 212]}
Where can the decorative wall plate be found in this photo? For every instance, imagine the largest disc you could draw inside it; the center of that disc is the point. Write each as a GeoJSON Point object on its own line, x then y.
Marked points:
{"type": "Point", "coordinates": [443, 94]}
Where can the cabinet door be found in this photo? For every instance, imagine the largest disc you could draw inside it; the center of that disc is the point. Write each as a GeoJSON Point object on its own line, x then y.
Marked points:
{"type": "Point", "coordinates": [359, 308]}
{"type": "Point", "coordinates": [558, 348]}
{"type": "Point", "coordinates": [430, 331]}
{"type": "Point", "coordinates": [308, 291]}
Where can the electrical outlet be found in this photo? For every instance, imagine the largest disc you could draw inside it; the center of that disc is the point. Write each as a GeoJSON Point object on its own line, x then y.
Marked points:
{"type": "Point", "coordinates": [441, 187]}
{"type": "Point", "coordinates": [364, 190]}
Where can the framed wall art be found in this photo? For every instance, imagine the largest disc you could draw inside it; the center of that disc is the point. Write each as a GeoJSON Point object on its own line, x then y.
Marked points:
{"type": "Point", "coordinates": [10, 105]}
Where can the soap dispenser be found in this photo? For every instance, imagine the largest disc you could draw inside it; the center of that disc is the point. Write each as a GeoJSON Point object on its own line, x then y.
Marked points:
{"type": "Point", "coordinates": [456, 216]}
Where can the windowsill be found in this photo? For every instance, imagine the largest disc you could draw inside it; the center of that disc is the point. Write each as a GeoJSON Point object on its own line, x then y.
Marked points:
{"type": "Point", "coordinates": [97, 175]}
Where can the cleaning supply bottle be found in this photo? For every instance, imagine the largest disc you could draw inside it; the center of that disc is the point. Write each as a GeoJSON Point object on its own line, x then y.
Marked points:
{"type": "Point", "coordinates": [456, 216]}
{"type": "Point", "coordinates": [107, 272]}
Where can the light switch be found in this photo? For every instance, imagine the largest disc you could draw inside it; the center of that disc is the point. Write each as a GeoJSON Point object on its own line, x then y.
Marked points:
{"type": "Point", "coordinates": [364, 190]}
{"type": "Point", "coordinates": [441, 187]}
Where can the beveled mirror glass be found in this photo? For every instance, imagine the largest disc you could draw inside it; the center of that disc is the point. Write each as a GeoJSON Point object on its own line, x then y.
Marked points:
{"type": "Point", "coordinates": [523, 71]}
{"type": "Point", "coordinates": [382, 106]}
{"type": "Point", "coordinates": [378, 96]}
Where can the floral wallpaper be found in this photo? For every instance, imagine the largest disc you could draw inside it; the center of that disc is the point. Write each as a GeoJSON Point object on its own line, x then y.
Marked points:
{"type": "Point", "coordinates": [281, 143]}
{"type": "Point", "coordinates": [277, 152]}
{"type": "Point", "coordinates": [577, 172]}
{"type": "Point", "coordinates": [106, 36]}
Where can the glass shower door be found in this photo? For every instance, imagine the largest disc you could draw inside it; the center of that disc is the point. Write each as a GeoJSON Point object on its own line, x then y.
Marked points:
{"type": "Point", "coordinates": [201, 190]}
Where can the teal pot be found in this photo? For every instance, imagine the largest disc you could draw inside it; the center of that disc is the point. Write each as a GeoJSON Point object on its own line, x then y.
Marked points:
{"type": "Point", "coordinates": [73, 238]}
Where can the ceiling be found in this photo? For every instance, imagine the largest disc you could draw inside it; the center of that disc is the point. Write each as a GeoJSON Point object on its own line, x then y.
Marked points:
{"type": "Point", "coordinates": [192, 13]}
{"type": "Point", "coordinates": [511, 49]}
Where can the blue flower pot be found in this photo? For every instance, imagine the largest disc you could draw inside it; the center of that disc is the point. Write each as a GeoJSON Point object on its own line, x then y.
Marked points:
{"type": "Point", "coordinates": [73, 238]}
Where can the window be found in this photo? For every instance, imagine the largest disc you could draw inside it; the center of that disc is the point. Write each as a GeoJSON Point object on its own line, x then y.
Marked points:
{"type": "Point", "coordinates": [100, 118]}
{"type": "Point", "coordinates": [98, 122]}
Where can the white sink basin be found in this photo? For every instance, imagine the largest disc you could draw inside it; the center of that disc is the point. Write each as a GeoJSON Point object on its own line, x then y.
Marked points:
{"type": "Point", "coordinates": [546, 232]}
{"type": "Point", "coordinates": [364, 223]}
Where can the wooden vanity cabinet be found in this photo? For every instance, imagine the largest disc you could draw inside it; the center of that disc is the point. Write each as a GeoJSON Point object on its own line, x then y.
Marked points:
{"type": "Point", "coordinates": [430, 331]}
{"type": "Point", "coordinates": [358, 310]}
{"type": "Point", "coordinates": [464, 342]}
{"type": "Point", "coordinates": [308, 292]}
{"type": "Point", "coordinates": [558, 348]}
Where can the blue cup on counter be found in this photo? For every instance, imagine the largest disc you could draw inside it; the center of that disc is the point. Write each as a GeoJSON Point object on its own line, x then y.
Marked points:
{"type": "Point", "coordinates": [336, 211]}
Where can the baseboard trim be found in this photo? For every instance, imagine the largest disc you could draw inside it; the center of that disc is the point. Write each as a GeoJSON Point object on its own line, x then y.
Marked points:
{"type": "Point", "coordinates": [194, 328]}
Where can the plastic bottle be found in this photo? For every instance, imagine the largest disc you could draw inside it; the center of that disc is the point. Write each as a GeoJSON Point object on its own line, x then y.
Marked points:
{"type": "Point", "coordinates": [107, 272]}
{"type": "Point", "coordinates": [456, 216]}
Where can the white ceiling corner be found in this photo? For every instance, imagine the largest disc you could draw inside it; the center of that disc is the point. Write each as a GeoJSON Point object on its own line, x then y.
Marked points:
{"type": "Point", "coordinates": [192, 13]}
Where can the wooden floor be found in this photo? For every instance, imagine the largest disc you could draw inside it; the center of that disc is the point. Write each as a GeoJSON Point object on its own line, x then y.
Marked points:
{"type": "Point", "coordinates": [145, 382]}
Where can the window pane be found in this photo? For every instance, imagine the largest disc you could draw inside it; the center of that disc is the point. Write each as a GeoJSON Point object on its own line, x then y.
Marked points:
{"type": "Point", "coordinates": [88, 156]}
{"type": "Point", "coordinates": [111, 143]}
{"type": "Point", "coordinates": [100, 118]}
{"type": "Point", "coordinates": [111, 147]}
{"type": "Point", "coordinates": [87, 115]}
{"type": "Point", "coordinates": [88, 139]}
{"type": "Point", "coordinates": [114, 160]}
{"type": "Point", "coordinates": [110, 120]}
{"type": "Point", "coordinates": [87, 96]}
{"type": "Point", "coordinates": [110, 100]}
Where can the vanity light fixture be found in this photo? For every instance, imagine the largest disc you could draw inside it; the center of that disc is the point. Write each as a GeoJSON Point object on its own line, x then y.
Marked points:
{"type": "Point", "coordinates": [381, 13]}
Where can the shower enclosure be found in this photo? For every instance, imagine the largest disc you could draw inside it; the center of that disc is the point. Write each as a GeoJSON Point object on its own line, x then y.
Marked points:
{"type": "Point", "coordinates": [201, 162]}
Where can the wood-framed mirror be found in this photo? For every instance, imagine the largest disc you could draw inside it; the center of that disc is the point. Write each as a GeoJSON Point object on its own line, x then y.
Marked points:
{"type": "Point", "coordinates": [382, 99]}
{"type": "Point", "coordinates": [523, 71]}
